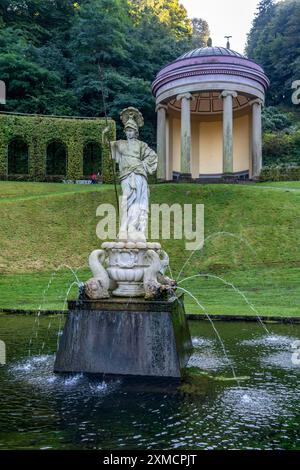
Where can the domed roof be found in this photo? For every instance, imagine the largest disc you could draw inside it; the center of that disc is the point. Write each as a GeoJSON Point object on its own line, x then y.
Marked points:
{"type": "Point", "coordinates": [210, 51]}
{"type": "Point", "coordinates": [210, 69]}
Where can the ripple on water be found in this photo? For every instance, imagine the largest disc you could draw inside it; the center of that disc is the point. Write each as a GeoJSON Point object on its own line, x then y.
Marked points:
{"type": "Point", "coordinates": [38, 371]}
{"type": "Point", "coordinates": [29, 364]}
{"type": "Point", "coordinates": [72, 380]}
{"type": "Point", "coordinates": [271, 341]}
{"type": "Point", "coordinates": [280, 360]}
{"type": "Point", "coordinates": [209, 361]}
{"type": "Point", "coordinates": [251, 403]}
{"type": "Point", "coordinates": [200, 342]}
{"type": "Point", "coordinates": [100, 387]}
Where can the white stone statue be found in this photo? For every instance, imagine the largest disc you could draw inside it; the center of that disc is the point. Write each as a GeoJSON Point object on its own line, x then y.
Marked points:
{"type": "Point", "coordinates": [136, 161]}
{"type": "Point", "coordinates": [131, 266]}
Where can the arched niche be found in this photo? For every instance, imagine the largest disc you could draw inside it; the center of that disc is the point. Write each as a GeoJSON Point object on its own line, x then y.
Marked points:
{"type": "Point", "coordinates": [92, 158]}
{"type": "Point", "coordinates": [17, 157]}
{"type": "Point", "coordinates": [56, 159]}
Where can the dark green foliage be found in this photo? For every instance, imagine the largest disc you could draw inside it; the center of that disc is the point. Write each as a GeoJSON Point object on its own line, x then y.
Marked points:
{"type": "Point", "coordinates": [56, 159]}
{"type": "Point", "coordinates": [131, 44]}
{"type": "Point", "coordinates": [281, 139]}
{"type": "Point", "coordinates": [17, 157]}
{"type": "Point", "coordinates": [50, 50]}
{"type": "Point", "coordinates": [276, 120]}
{"type": "Point", "coordinates": [33, 86]}
{"type": "Point", "coordinates": [92, 159]}
{"type": "Point", "coordinates": [274, 42]}
{"type": "Point", "coordinates": [281, 148]}
{"type": "Point", "coordinates": [280, 173]}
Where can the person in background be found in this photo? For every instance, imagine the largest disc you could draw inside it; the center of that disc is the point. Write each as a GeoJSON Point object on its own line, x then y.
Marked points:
{"type": "Point", "coordinates": [93, 178]}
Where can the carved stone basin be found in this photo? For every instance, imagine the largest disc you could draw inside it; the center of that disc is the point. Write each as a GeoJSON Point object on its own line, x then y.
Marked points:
{"type": "Point", "coordinates": [126, 262]}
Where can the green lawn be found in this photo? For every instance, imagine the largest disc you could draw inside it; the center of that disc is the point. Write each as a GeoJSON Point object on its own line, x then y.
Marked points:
{"type": "Point", "coordinates": [271, 292]}
{"type": "Point", "coordinates": [253, 244]}
{"type": "Point", "coordinates": [282, 184]}
{"type": "Point", "coordinates": [12, 191]}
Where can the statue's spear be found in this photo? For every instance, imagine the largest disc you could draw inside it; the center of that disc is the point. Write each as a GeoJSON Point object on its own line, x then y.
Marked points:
{"type": "Point", "coordinates": [106, 122]}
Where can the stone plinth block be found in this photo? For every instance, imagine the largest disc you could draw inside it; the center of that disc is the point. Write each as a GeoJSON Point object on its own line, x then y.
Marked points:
{"type": "Point", "coordinates": [125, 337]}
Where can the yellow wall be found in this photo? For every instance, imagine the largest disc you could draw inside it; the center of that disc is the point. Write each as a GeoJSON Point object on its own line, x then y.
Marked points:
{"type": "Point", "coordinates": [207, 146]}
{"type": "Point", "coordinates": [176, 144]}
{"type": "Point", "coordinates": [195, 149]}
{"type": "Point", "coordinates": [211, 147]}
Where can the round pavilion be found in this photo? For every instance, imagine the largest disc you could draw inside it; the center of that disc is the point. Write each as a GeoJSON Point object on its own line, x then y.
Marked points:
{"type": "Point", "coordinates": [208, 105]}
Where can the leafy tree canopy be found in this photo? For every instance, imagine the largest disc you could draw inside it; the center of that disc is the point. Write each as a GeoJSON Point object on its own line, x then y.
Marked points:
{"type": "Point", "coordinates": [274, 42]}
{"type": "Point", "coordinates": [50, 51]}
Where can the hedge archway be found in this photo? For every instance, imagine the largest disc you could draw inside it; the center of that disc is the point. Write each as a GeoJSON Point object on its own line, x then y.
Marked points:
{"type": "Point", "coordinates": [92, 159]}
{"type": "Point", "coordinates": [56, 159]}
{"type": "Point", "coordinates": [71, 132]}
{"type": "Point", "coordinates": [17, 157]}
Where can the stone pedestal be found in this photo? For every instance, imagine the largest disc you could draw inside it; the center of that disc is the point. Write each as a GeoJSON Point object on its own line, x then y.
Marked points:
{"type": "Point", "coordinates": [125, 337]}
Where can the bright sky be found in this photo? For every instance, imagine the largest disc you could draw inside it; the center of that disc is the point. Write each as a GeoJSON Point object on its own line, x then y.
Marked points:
{"type": "Point", "coordinates": [225, 17]}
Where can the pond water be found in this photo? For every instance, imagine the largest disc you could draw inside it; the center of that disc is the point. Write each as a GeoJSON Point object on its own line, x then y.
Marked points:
{"type": "Point", "coordinates": [209, 410]}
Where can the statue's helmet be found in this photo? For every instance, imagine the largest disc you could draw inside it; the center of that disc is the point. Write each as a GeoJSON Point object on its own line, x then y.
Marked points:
{"type": "Point", "coordinates": [131, 124]}
{"type": "Point", "coordinates": [132, 118]}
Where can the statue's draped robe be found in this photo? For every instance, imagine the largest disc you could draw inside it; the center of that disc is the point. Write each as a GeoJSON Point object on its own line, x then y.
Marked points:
{"type": "Point", "coordinates": [136, 160]}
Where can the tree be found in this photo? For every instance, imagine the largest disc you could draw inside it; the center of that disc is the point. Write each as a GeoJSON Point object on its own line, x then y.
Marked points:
{"type": "Point", "coordinates": [168, 12]}
{"type": "Point", "coordinates": [100, 35]}
{"type": "Point", "coordinates": [201, 32]}
{"type": "Point", "coordinates": [33, 86]}
{"type": "Point", "coordinates": [274, 42]}
{"type": "Point", "coordinates": [50, 50]}
{"type": "Point", "coordinates": [39, 20]}
{"type": "Point", "coordinates": [131, 43]}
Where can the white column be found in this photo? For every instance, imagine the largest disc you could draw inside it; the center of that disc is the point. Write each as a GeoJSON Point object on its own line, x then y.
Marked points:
{"type": "Point", "coordinates": [256, 138]}
{"type": "Point", "coordinates": [185, 167]}
{"type": "Point", "coordinates": [168, 149]}
{"type": "Point", "coordinates": [161, 141]}
{"type": "Point", "coordinates": [228, 130]}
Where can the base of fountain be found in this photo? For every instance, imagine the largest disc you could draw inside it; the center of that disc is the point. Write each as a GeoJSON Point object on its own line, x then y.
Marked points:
{"type": "Point", "coordinates": [125, 337]}
{"type": "Point", "coordinates": [129, 289]}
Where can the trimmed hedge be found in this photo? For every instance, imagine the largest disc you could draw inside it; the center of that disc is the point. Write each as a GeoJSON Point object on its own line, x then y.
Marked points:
{"type": "Point", "coordinates": [39, 131]}
{"type": "Point", "coordinates": [280, 173]}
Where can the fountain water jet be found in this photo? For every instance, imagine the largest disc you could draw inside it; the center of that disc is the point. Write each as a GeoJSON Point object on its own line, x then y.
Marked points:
{"type": "Point", "coordinates": [215, 330]}
{"type": "Point", "coordinates": [36, 325]}
{"type": "Point", "coordinates": [227, 283]}
{"type": "Point", "coordinates": [214, 235]}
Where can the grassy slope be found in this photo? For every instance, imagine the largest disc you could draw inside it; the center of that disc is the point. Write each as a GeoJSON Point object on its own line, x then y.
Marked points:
{"type": "Point", "coordinates": [45, 225]}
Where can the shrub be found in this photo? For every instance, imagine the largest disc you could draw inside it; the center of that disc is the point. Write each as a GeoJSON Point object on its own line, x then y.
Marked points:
{"type": "Point", "coordinates": [274, 119]}
{"type": "Point", "coordinates": [281, 148]}
{"type": "Point", "coordinates": [280, 173]}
